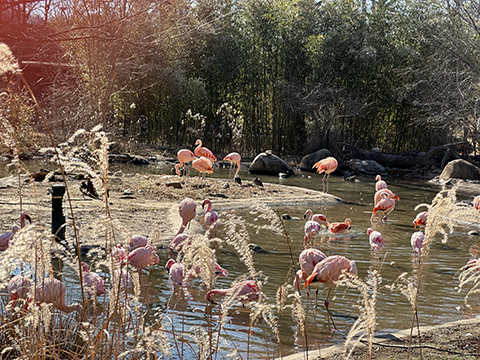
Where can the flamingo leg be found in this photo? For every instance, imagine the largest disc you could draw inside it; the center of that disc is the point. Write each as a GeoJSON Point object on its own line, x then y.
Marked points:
{"type": "Point", "coordinates": [329, 314]}
{"type": "Point", "coordinates": [323, 181]}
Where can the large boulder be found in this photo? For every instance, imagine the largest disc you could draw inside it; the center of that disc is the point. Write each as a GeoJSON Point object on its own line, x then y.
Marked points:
{"type": "Point", "coordinates": [460, 169]}
{"type": "Point", "coordinates": [268, 164]}
{"type": "Point", "coordinates": [368, 167]}
{"type": "Point", "coordinates": [307, 162]}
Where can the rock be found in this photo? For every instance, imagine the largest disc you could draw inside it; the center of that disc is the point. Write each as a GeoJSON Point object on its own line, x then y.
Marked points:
{"type": "Point", "coordinates": [370, 167]}
{"type": "Point", "coordinates": [268, 164]}
{"type": "Point", "coordinates": [460, 169]}
{"type": "Point", "coordinates": [473, 233]}
{"type": "Point", "coordinates": [308, 161]}
{"type": "Point", "coordinates": [174, 184]}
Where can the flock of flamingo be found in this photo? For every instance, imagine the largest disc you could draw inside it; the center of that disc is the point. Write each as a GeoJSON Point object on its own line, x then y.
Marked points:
{"type": "Point", "coordinates": [315, 266]}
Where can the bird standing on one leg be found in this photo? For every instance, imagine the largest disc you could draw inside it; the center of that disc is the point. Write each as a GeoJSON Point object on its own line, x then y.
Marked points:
{"type": "Point", "coordinates": [187, 210]}
{"type": "Point", "coordinates": [234, 158]}
{"type": "Point", "coordinates": [376, 241]}
{"type": "Point", "coordinates": [184, 157]}
{"type": "Point", "coordinates": [380, 184]}
{"type": "Point", "coordinates": [210, 217]}
{"type": "Point", "coordinates": [203, 151]}
{"type": "Point", "coordinates": [327, 165]}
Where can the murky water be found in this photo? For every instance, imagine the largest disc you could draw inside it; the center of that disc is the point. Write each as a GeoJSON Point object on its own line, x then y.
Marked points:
{"type": "Point", "coordinates": [439, 299]}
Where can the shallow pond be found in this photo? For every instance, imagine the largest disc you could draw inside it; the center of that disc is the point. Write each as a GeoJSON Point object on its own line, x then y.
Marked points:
{"type": "Point", "coordinates": [439, 300]}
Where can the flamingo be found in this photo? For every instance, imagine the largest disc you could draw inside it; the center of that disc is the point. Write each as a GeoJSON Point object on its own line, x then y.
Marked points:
{"type": "Point", "coordinates": [319, 218]}
{"type": "Point", "coordinates": [421, 219]}
{"type": "Point", "coordinates": [52, 291]}
{"type": "Point", "coordinates": [311, 229]}
{"type": "Point", "coordinates": [307, 260]}
{"type": "Point", "coordinates": [137, 241]}
{"type": "Point", "coordinates": [244, 291]}
{"type": "Point", "coordinates": [18, 288]}
{"type": "Point", "coordinates": [234, 158]}
{"type": "Point", "coordinates": [202, 165]}
{"type": "Point", "coordinates": [5, 238]}
{"type": "Point", "coordinates": [211, 217]}
{"type": "Point", "coordinates": [92, 282]}
{"type": "Point", "coordinates": [380, 184]}
{"type": "Point", "coordinates": [329, 271]}
{"type": "Point", "coordinates": [187, 210]}
{"type": "Point", "coordinates": [376, 241]}
{"type": "Point", "coordinates": [118, 253]}
{"type": "Point", "coordinates": [203, 151]}
{"type": "Point", "coordinates": [386, 205]}
{"type": "Point", "coordinates": [416, 241]}
{"type": "Point", "coordinates": [143, 257]}
{"type": "Point", "coordinates": [338, 228]}
{"type": "Point", "coordinates": [126, 280]}
{"type": "Point", "coordinates": [184, 157]}
{"type": "Point", "coordinates": [175, 271]}
{"type": "Point", "coordinates": [476, 202]}
{"type": "Point", "coordinates": [327, 165]}
{"type": "Point", "coordinates": [378, 195]}
{"type": "Point", "coordinates": [179, 241]}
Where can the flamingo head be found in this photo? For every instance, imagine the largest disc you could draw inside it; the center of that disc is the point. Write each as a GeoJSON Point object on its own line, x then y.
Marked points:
{"type": "Point", "coordinates": [219, 271]}
{"type": "Point", "coordinates": [198, 142]}
{"type": "Point", "coordinates": [25, 216]}
{"type": "Point", "coordinates": [395, 197]}
{"type": "Point", "coordinates": [369, 231]}
{"type": "Point", "coordinates": [384, 195]}
{"type": "Point", "coordinates": [206, 202]}
{"type": "Point", "coordinates": [349, 223]}
{"type": "Point", "coordinates": [84, 267]}
{"type": "Point", "coordinates": [378, 178]}
{"type": "Point", "coordinates": [308, 213]}
{"type": "Point", "coordinates": [208, 296]}
{"type": "Point", "coordinates": [169, 264]}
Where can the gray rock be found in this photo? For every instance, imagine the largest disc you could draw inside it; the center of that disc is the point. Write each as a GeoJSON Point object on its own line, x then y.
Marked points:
{"type": "Point", "coordinates": [308, 161]}
{"type": "Point", "coordinates": [267, 163]}
{"type": "Point", "coordinates": [369, 167]}
{"type": "Point", "coordinates": [460, 169]}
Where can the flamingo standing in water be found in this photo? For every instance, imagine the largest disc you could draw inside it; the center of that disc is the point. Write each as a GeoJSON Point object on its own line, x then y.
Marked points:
{"type": "Point", "coordinates": [376, 241]}
{"type": "Point", "coordinates": [203, 151]}
{"type": "Point", "coordinates": [327, 165]}
{"type": "Point", "coordinates": [328, 271]}
{"type": "Point", "coordinates": [380, 184]}
{"type": "Point", "coordinates": [244, 291]}
{"type": "Point", "coordinates": [184, 157]}
{"type": "Point", "coordinates": [386, 205]}
{"type": "Point", "coordinates": [311, 229]}
{"type": "Point", "coordinates": [319, 218]}
{"type": "Point", "coordinates": [143, 257]}
{"type": "Point", "coordinates": [52, 291]}
{"type": "Point", "coordinates": [307, 260]}
{"type": "Point", "coordinates": [339, 228]}
{"type": "Point", "coordinates": [416, 241]}
{"type": "Point", "coordinates": [175, 271]}
{"type": "Point", "coordinates": [187, 210]}
{"type": "Point", "coordinates": [421, 219]}
{"type": "Point", "coordinates": [211, 217]}
{"type": "Point", "coordinates": [137, 241]}
{"type": "Point", "coordinates": [5, 238]}
{"type": "Point", "coordinates": [234, 158]}
{"type": "Point", "coordinates": [118, 253]}
{"type": "Point", "coordinates": [378, 195]}
{"type": "Point", "coordinates": [203, 165]}
{"type": "Point", "coordinates": [92, 282]}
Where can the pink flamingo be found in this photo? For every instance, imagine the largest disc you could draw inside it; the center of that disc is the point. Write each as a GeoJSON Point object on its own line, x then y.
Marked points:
{"type": "Point", "coordinates": [311, 229]}
{"type": "Point", "coordinates": [143, 257]}
{"type": "Point", "coordinates": [319, 218]}
{"type": "Point", "coordinates": [307, 260]}
{"type": "Point", "coordinates": [18, 288]}
{"type": "Point", "coordinates": [52, 291]}
{"type": "Point", "coordinates": [92, 282]}
{"type": "Point", "coordinates": [378, 195]}
{"type": "Point", "coordinates": [327, 165]}
{"type": "Point", "coordinates": [339, 227]}
{"type": "Point", "coordinates": [203, 151]}
{"type": "Point", "coordinates": [187, 210]}
{"type": "Point", "coordinates": [416, 241]}
{"type": "Point", "coordinates": [184, 157]}
{"type": "Point", "coordinates": [5, 238]}
{"type": "Point", "coordinates": [217, 269]}
{"type": "Point", "coordinates": [244, 291]}
{"type": "Point", "coordinates": [476, 202]}
{"type": "Point", "coordinates": [329, 271]}
{"type": "Point", "coordinates": [179, 241]}
{"type": "Point", "coordinates": [175, 271]}
{"type": "Point", "coordinates": [380, 184]}
{"type": "Point", "coordinates": [421, 219]}
{"type": "Point", "coordinates": [234, 158]}
{"type": "Point", "coordinates": [386, 205]}
{"type": "Point", "coordinates": [211, 217]}
{"type": "Point", "coordinates": [137, 241]}
{"type": "Point", "coordinates": [376, 241]}
{"type": "Point", "coordinates": [118, 253]}
{"type": "Point", "coordinates": [203, 165]}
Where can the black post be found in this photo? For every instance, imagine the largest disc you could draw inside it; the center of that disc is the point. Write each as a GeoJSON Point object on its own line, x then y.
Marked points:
{"type": "Point", "coordinates": [58, 219]}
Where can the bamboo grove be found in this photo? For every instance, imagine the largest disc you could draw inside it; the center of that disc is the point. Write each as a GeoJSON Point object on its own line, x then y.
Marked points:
{"type": "Point", "coordinates": [249, 75]}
